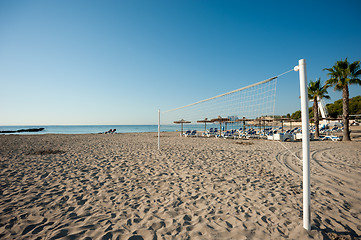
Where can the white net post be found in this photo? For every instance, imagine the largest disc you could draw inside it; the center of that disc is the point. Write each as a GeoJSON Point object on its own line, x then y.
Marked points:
{"type": "Point", "coordinates": [305, 144]}
{"type": "Point", "coordinates": [158, 129]}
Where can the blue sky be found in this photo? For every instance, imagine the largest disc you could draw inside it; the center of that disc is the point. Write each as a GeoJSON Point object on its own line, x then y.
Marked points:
{"type": "Point", "coordinates": [117, 62]}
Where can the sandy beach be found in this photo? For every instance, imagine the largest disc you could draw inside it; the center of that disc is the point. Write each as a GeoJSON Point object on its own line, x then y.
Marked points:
{"type": "Point", "coordinates": [120, 186]}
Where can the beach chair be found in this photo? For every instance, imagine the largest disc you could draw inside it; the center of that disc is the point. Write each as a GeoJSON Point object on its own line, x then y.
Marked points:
{"type": "Point", "coordinates": [294, 130]}
{"type": "Point", "coordinates": [229, 134]}
{"type": "Point", "coordinates": [211, 132]}
{"type": "Point", "coordinates": [247, 134]}
{"type": "Point", "coordinates": [187, 133]}
{"type": "Point", "coordinates": [192, 134]}
{"type": "Point", "coordinates": [110, 131]}
{"type": "Point", "coordinates": [208, 133]}
{"type": "Point", "coordinates": [242, 134]}
{"type": "Point", "coordinates": [252, 133]}
{"type": "Point", "coordinates": [332, 138]}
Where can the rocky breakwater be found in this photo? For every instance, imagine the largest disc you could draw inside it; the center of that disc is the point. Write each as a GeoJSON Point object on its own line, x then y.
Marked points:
{"type": "Point", "coordinates": [24, 130]}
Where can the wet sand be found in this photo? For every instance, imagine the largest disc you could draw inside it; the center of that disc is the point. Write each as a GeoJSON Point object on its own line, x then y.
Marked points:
{"type": "Point", "coordinates": [121, 187]}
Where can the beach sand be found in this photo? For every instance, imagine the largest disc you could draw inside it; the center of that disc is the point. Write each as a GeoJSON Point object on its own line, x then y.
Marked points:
{"type": "Point", "coordinates": [120, 186]}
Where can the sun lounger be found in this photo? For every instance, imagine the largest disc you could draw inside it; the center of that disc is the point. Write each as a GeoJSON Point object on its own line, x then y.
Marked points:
{"type": "Point", "coordinates": [110, 131]}
{"type": "Point", "coordinates": [208, 132]}
{"type": "Point", "coordinates": [227, 134]}
{"type": "Point", "coordinates": [191, 133]}
{"type": "Point", "coordinates": [187, 133]}
{"type": "Point", "coordinates": [211, 132]}
{"type": "Point", "coordinates": [331, 137]}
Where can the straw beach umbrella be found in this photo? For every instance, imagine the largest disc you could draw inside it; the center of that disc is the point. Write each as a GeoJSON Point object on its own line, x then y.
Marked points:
{"type": "Point", "coordinates": [226, 122]}
{"type": "Point", "coordinates": [205, 123]}
{"type": "Point", "coordinates": [282, 120]}
{"type": "Point", "coordinates": [294, 120]}
{"type": "Point", "coordinates": [330, 118]}
{"type": "Point", "coordinates": [181, 122]}
{"type": "Point", "coordinates": [244, 120]}
{"type": "Point", "coordinates": [220, 120]}
{"type": "Point", "coordinates": [264, 121]}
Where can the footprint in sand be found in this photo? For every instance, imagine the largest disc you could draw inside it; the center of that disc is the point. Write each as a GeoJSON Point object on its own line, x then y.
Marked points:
{"type": "Point", "coordinates": [136, 237]}
{"type": "Point", "coordinates": [60, 234]}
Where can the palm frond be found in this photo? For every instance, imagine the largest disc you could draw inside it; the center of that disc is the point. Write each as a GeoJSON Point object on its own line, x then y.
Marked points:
{"type": "Point", "coordinates": [315, 90]}
{"type": "Point", "coordinates": [355, 81]}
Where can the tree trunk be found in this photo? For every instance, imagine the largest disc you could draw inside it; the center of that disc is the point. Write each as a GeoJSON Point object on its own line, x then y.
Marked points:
{"type": "Point", "coordinates": [345, 113]}
{"type": "Point", "coordinates": [316, 118]}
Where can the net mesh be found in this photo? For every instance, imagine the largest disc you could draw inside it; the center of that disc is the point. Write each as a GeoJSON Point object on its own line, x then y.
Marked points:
{"type": "Point", "coordinates": [254, 101]}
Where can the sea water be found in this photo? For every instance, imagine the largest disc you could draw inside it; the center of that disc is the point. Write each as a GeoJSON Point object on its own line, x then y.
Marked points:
{"type": "Point", "coordinates": [88, 129]}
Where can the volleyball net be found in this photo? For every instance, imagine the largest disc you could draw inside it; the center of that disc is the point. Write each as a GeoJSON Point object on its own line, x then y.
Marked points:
{"type": "Point", "coordinates": [251, 102]}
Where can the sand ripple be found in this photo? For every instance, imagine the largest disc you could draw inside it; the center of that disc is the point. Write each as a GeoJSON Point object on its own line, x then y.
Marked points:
{"type": "Point", "coordinates": [121, 187]}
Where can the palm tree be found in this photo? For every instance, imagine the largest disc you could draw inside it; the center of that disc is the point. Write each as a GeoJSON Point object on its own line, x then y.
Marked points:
{"type": "Point", "coordinates": [316, 92]}
{"type": "Point", "coordinates": [341, 75]}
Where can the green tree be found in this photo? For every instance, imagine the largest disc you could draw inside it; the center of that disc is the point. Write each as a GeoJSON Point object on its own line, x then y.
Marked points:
{"type": "Point", "coordinates": [355, 105]}
{"type": "Point", "coordinates": [335, 109]}
{"type": "Point", "coordinates": [296, 115]}
{"type": "Point", "coordinates": [343, 74]}
{"type": "Point", "coordinates": [316, 92]}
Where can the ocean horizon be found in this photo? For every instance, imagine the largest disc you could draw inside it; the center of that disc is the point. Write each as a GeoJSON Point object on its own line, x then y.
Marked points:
{"type": "Point", "coordinates": [81, 129]}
